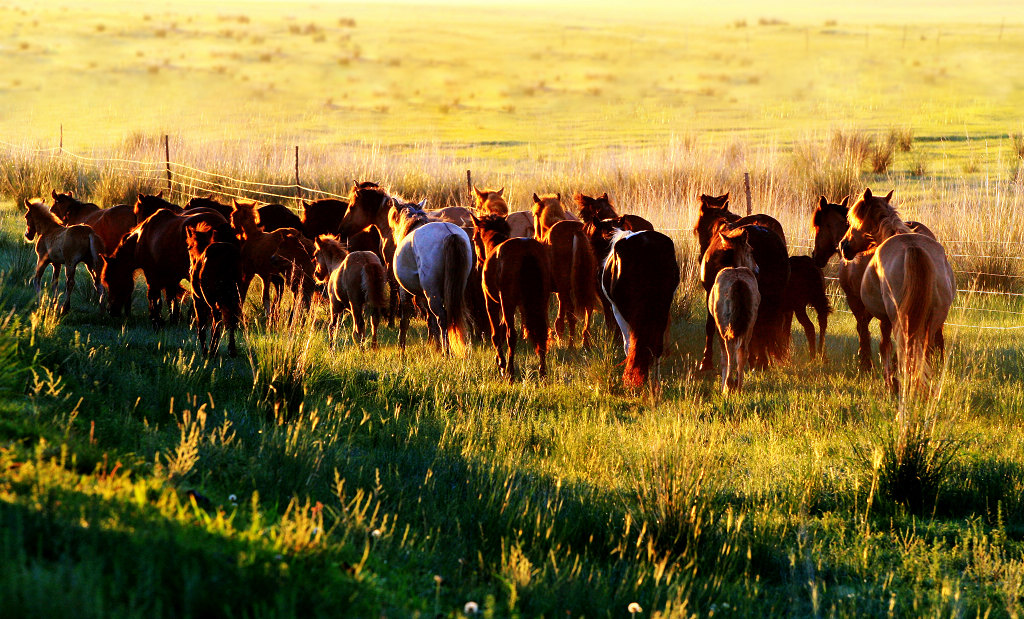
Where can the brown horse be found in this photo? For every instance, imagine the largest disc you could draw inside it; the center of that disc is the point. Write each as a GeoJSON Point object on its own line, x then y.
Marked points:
{"type": "Point", "coordinates": [215, 275]}
{"type": "Point", "coordinates": [277, 217]}
{"type": "Point", "coordinates": [600, 208]}
{"type": "Point", "coordinates": [830, 225]}
{"type": "Point", "coordinates": [639, 278]}
{"type": "Point", "coordinates": [908, 284]}
{"type": "Point", "coordinates": [715, 214]}
{"type": "Point", "coordinates": [61, 246]}
{"type": "Point", "coordinates": [734, 301]}
{"type": "Point", "coordinates": [807, 288]}
{"type": "Point", "coordinates": [547, 211]}
{"type": "Point", "coordinates": [515, 276]}
{"type": "Point", "coordinates": [209, 203]}
{"type": "Point", "coordinates": [110, 224]}
{"type": "Point", "coordinates": [572, 272]}
{"type": "Point", "coordinates": [771, 339]}
{"type": "Point", "coordinates": [323, 217]}
{"type": "Point", "coordinates": [158, 247]}
{"type": "Point", "coordinates": [259, 251]}
{"type": "Point", "coordinates": [354, 281]}
{"type": "Point", "coordinates": [521, 224]}
{"type": "Point", "coordinates": [491, 202]}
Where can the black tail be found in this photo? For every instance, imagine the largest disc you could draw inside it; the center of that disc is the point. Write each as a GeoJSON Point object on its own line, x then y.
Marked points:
{"type": "Point", "coordinates": [535, 293]}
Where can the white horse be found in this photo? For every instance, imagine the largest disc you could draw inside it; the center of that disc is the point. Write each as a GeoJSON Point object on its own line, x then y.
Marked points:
{"type": "Point", "coordinates": [432, 263]}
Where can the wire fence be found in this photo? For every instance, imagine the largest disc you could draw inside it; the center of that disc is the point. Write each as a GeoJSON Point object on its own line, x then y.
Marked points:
{"type": "Point", "coordinates": [188, 181]}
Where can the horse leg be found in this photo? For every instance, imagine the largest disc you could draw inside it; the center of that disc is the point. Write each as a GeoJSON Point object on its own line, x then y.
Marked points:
{"type": "Point", "coordinates": [69, 285]}
{"type": "Point", "coordinates": [37, 277]}
{"type": "Point", "coordinates": [726, 364]}
{"type": "Point", "coordinates": [863, 318]}
{"type": "Point", "coordinates": [232, 322]}
{"type": "Point", "coordinates": [498, 334]}
{"type": "Point", "coordinates": [358, 324]}
{"type": "Point", "coordinates": [393, 306]}
{"type": "Point", "coordinates": [822, 326]}
{"type": "Point", "coordinates": [216, 329]}
{"type": "Point", "coordinates": [886, 352]}
{"type": "Point", "coordinates": [587, 312]}
{"type": "Point", "coordinates": [741, 360]}
{"type": "Point", "coordinates": [937, 343]}
{"type": "Point", "coordinates": [805, 322]}
{"type": "Point", "coordinates": [337, 309]}
{"type": "Point", "coordinates": [710, 332]}
{"type": "Point", "coordinates": [175, 296]}
{"type": "Point", "coordinates": [374, 323]}
{"type": "Point", "coordinates": [405, 308]}
{"type": "Point", "coordinates": [508, 312]}
{"type": "Point", "coordinates": [55, 282]}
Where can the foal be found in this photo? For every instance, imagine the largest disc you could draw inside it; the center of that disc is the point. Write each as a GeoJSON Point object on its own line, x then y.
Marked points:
{"type": "Point", "coordinates": [110, 224]}
{"type": "Point", "coordinates": [733, 301]}
{"type": "Point", "coordinates": [61, 246]}
{"type": "Point", "coordinates": [354, 280]}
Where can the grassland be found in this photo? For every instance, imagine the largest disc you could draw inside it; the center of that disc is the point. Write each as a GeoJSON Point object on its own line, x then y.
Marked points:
{"type": "Point", "coordinates": [350, 483]}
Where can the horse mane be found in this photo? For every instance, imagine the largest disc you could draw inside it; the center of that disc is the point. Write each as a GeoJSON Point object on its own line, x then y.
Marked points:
{"type": "Point", "coordinates": [38, 206]}
{"type": "Point", "coordinates": [819, 213]}
{"type": "Point", "coordinates": [876, 217]}
{"type": "Point", "coordinates": [410, 217]}
{"type": "Point", "coordinates": [493, 223]}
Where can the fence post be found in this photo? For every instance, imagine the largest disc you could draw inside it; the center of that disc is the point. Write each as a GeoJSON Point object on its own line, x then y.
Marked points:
{"type": "Point", "coordinates": [167, 163]}
{"type": "Point", "coordinates": [469, 186]}
{"type": "Point", "coordinates": [746, 186]}
{"type": "Point", "coordinates": [60, 149]}
{"type": "Point", "coordinates": [298, 188]}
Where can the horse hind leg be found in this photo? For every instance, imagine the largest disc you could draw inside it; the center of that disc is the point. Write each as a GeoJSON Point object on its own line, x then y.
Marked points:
{"type": "Point", "coordinates": [725, 364]}
{"type": "Point", "coordinates": [358, 323]}
{"type": "Point", "coordinates": [69, 286]}
{"type": "Point", "coordinates": [508, 311]}
{"type": "Point", "coordinates": [710, 333]}
{"type": "Point", "coordinates": [805, 322]}
{"type": "Point", "coordinates": [886, 352]}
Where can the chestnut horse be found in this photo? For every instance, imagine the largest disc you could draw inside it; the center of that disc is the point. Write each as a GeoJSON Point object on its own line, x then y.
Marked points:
{"type": "Point", "coordinates": [61, 246]}
{"type": "Point", "coordinates": [354, 280]}
{"type": "Point", "coordinates": [771, 339]}
{"type": "Point", "coordinates": [490, 202]}
{"type": "Point", "coordinates": [639, 279]}
{"type": "Point", "coordinates": [515, 276]}
{"type": "Point", "coordinates": [830, 225]}
{"type": "Point", "coordinates": [215, 275]}
{"type": "Point", "coordinates": [157, 247]}
{"type": "Point", "coordinates": [908, 284]}
{"type": "Point", "coordinates": [734, 301]}
{"type": "Point", "coordinates": [547, 211]}
{"type": "Point", "coordinates": [110, 224]}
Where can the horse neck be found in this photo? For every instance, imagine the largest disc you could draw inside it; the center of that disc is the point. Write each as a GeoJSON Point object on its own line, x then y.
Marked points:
{"type": "Point", "coordinates": [250, 230]}
{"type": "Point", "coordinates": [45, 223]}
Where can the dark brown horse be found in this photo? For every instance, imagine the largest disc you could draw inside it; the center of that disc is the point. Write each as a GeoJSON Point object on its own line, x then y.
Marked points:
{"type": "Point", "coordinates": [215, 275]}
{"type": "Point", "coordinates": [515, 276]}
{"type": "Point", "coordinates": [830, 225]}
{"type": "Point", "coordinates": [770, 339]}
{"type": "Point", "coordinates": [146, 205]}
{"type": "Point", "coordinates": [209, 203]}
{"type": "Point", "coordinates": [639, 278]}
{"type": "Point", "coordinates": [715, 214]}
{"type": "Point", "coordinates": [259, 249]}
{"type": "Point", "coordinates": [323, 217]}
{"type": "Point", "coordinates": [807, 289]}
{"type": "Point", "coordinates": [600, 208]}
{"type": "Point", "coordinates": [110, 224]}
{"type": "Point", "coordinates": [158, 247]}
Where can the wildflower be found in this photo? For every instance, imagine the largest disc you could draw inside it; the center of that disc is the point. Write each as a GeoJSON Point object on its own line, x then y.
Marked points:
{"type": "Point", "coordinates": [634, 608]}
{"type": "Point", "coordinates": [471, 608]}
{"type": "Point", "coordinates": [438, 579]}
{"type": "Point", "coordinates": [233, 498]}
{"type": "Point", "coordinates": [375, 534]}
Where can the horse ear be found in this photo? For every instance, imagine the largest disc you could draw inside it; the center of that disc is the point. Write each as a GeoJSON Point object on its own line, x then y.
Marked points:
{"type": "Point", "coordinates": [476, 222]}
{"type": "Point", "coordinates": [161, 194]}
{"type": "Point", "coordinates": [536, 199]}
{"type": "Point", "coordinates": [53, 193]}
{"type": "Point", "coordinates": [845, 201]}
{"type": "Point", "coordinates": [867, 193]}
{"type": "Point", "coordinates": [559, 196]}
{"type": "Point", "coordinates": [604, 196]}
{"type": "Point", "coordinates": [823, 202]}
{"type": "Point", "coordinates": [888, 196]}
{"type": "Point", "coordinates": [422, 204]}
{"type": "Point", "coordinates": [500, 192]}
{"type": "Point", "coordinates": [479, 194]}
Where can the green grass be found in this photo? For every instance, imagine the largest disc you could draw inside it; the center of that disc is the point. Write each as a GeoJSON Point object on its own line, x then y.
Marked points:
{"type": "Point", "coordinates": [563, 497]}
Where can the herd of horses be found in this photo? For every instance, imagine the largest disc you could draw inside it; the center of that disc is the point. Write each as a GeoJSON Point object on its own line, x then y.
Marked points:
{"type": "Point", "coordinates": [468, 271]}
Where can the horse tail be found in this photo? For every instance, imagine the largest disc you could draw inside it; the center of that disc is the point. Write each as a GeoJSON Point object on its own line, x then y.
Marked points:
{"type": "Point", "coordinates": [456, 264]}
{"type": "Point", "coordinates": [96, 249]}
{"type": "Point", "coordinates": [535, 292]}
{"type": "Point", "coordinates": [915, 305]}
{"type": "Point", "coordinates": [741, 302]}
{"type": "Point", "coordinates": [373, 285]}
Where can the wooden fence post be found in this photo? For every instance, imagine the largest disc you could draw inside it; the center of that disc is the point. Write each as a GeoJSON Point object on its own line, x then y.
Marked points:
{"type": "Point", "coordinates": [167, 163]}
{"type": "Point", "coordinates": [469, 186]}
{"type": "Point", "coordinates": [746, 186]}
{"type": "Point", "coordinates": [60, 149]}
{"type": "Point", "coordinates": [298, 185]}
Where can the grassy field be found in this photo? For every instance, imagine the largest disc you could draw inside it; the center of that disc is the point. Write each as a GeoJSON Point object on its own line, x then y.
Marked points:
{"type": "Point", "coordinates": [139, 479]}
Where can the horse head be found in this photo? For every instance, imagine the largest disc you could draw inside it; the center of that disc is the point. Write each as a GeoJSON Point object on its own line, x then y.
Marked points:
{"type": "Point", "coordinates": [488, 232]}
{"type": "Point", "coordinates": [595, 209]}
{"type": "Point", "coordinates": [872, 220]}
{"type": "Point", "coordinates": [491, 201]}
{"type": "Point", "coordinates": [829, 225]}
